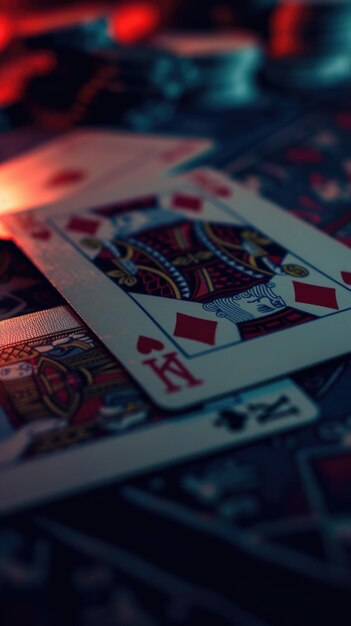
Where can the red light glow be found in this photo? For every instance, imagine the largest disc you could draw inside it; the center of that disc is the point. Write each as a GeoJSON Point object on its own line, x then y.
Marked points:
{"type": "Point", "coordinates": [4, 234]}
{"type": "Point", "coordinates": [15, 74]}
{"type": "Point", "coordinates": [287, 22]}
{"type": "Point", "coordinates": [134, 21]}
{"type": "Point", "coordinates": [6, 31]}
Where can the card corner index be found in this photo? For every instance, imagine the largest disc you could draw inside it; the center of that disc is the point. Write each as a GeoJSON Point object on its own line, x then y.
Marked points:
{"type": "Point", "coordinates": [174, 378]}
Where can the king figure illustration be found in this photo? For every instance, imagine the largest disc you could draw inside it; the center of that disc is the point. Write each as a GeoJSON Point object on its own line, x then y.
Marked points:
{"type": "Point", "coordinates": [228, 268]}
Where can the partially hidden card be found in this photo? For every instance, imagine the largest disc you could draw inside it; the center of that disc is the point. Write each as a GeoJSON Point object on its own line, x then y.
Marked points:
{"type": "Point", "coordinates": [306, 169]}
{"type": "Point", "coordinates": [23, 289]}
{"type": "Point", "coordinates": [82, 161]}
{"type": "Point", "coordinates": [71, 417]}
{"type": "Point", "coordinates": [200, 287]}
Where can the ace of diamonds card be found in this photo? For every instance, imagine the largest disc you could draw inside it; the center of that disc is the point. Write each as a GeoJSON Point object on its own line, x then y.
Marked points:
{"type": "Point", "coordinates": [199, 286]}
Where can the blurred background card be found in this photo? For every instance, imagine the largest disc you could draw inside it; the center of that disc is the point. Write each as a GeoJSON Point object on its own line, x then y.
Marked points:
{"type": "Point", "coordinates": [84, 160]}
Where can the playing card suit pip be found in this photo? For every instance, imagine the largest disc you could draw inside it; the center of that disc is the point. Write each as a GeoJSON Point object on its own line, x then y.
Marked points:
{"type": "Point", "coordinates": [146, 345]}
{"type": "Point", "coordinates": [42, 235]}
{"type": "Point", "coordinates": [66, 177]}
{"type": "Point", "coordinates": [346, 276]}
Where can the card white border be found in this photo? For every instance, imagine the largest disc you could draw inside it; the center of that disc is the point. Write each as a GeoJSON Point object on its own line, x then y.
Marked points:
{"type": "Point", "coordinates": [327, 337]}
{"type": "Point", "coordinates": [174, 439]}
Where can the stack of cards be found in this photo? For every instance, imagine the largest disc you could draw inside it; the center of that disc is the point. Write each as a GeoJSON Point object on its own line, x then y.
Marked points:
{"type": "Point", "coordinates": [185, 294]}
{"type": "Point", "coordinates": [83, 163]}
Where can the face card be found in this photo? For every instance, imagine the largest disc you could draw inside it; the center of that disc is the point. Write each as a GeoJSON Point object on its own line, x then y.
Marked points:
{"type": "Point", "coordinates": [200, 288]}
{"type": "Point", "coordinates": [81, 161]}
{"type": "Point", "coordinates": [71, 417]}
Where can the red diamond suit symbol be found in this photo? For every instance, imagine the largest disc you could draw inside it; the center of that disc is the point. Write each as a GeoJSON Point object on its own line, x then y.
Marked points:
{"type": "Point", "coordinates": [195, 328]}
{"type": "Point", "coordinates": [83, 225]}
{"type": "Point", "coordinates": [306, 293]}
{"type": "Point", "coordinates": [188, 202]}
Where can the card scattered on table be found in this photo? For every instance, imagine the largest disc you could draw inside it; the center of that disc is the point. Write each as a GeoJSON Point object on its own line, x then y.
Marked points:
{"type": "Point", "coordinates": [71, 417]}
{"type": "Point", "coordinates": [199, 287]}
{"type": "Point", "coordinates": [83, 162]}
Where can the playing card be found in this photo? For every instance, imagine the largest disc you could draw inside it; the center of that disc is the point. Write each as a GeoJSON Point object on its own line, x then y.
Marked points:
{"type": "Point", "coordinates": [199, 288]}
{"type": "Point", "coordinates": [70, 416]}
{"type": "Point", "coordinates": [18, 140]}
{"type": "Point", "coordinates": [306, 170]}
{"type": "Point", "coordinates": [22, 288]}
{"type": "Point", "coordinates": [327, 474]}
{"type": "Point", "coordinates": [84, 160]}
{"type": "Point", "coordinates": [296, 516]}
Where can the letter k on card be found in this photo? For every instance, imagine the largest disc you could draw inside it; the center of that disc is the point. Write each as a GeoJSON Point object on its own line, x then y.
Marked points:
{"type": "Point", "coordinates": [200, 288]}
{"type": "Point", "coordinates": [167, 367]}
